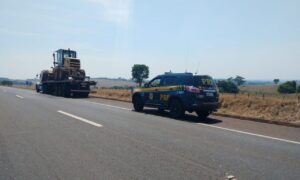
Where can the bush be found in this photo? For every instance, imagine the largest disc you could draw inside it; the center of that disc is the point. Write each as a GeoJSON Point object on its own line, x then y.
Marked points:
{"type": "Point", "coordinates": [7, 83]}
{"type": "Point", "coordinates": [288, 87]}
{"type": "Point", "coordinates": [226, 86]}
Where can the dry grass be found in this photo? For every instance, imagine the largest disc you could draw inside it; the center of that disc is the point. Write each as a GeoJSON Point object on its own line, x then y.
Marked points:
{"type": "Point", "coordinates": [123, 95]}
{"type": "Point", "coordinates": [263, 89]}
{"type": "Point", "coordinates": [270, 108]}
{"type": "Point", "coordinates": [26, 87]}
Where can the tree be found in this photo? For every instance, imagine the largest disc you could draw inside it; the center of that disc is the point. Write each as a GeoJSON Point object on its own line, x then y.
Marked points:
{"type": "Point", "coordinates": [239, 80]}
{"type": "Point", "coordinates": [227, 86]}
{"type": "Point", "coordinates": [298, 90]}
{"type": "Point", "coordinates": [276, 81]}
{"type": "Point", "coordinates": [288, 87]}
{"type": "Point", "coordinates": [139, 73]}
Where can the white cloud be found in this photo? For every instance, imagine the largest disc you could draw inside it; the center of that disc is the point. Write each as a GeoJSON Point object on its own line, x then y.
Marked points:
{"type": "Point", "coordinates": [117, 11]}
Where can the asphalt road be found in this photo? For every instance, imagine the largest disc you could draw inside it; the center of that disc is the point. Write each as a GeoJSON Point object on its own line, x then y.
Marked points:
{"type": "Point", "coordinates": [47, 137]}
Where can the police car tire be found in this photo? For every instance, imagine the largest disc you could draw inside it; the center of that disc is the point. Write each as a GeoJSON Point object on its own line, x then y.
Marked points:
{"type": "Point", "coordinates": [202, 114]}
{"type": "Point", "coordinates": [138, 104]}
{"type": "Point", "coordinates": [176, 109]}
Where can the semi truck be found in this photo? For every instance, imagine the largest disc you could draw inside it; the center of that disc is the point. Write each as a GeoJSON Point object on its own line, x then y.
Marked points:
{"type": "Point", "coordinates": [65, 78]}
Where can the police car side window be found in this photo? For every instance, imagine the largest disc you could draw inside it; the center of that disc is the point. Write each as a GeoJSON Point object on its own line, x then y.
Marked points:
{"type": "Point", "coordinates": [155, 82]}
{"type": "Point", "coordinates": [170, 81]}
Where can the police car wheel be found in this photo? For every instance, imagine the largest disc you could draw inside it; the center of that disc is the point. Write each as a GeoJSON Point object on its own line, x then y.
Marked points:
{"type": "Point", "coordinates": [138, 104]}
{"type": "Point", "coordinates": [202, 114]}
{"type": "Point", "coordinates": [176, 109]}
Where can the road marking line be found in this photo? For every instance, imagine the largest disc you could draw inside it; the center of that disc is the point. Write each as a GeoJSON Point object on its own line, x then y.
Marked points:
{"type": "Point", "coordinates": [117, 107]}
{"type": "Point", "coordinates": [80, 119]}
{"type": "Point", "coordinates": [227, 129]}
{"type": "Point", "coordinates": [252, 134]}
{"type": "Point", "coordinates": [20, 97]}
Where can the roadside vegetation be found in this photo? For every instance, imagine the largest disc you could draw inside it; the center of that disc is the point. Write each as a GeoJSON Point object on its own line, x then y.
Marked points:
{"type": "Point", "coordinates": [278, 102]}
{"type": "Point", "coordinates": [6, 83]}
{"type": "Point", "coordinates": [288, 87]}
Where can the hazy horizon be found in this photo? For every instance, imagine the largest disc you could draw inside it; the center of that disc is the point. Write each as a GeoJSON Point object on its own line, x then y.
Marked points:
{"type": "Point", "coordinates": [257, 40]}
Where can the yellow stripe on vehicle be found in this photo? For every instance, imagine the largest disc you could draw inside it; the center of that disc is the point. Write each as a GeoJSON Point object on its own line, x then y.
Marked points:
{"type": "Point", "coordinates": [163, 88]}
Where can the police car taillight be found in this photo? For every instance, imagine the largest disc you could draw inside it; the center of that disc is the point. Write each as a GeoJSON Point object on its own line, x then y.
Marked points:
{"type": "Point", "coordinates": [192, 89]}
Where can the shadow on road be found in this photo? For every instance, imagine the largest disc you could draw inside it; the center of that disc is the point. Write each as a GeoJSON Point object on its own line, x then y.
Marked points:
{"type": "Point", "coordinates": [188, 117]}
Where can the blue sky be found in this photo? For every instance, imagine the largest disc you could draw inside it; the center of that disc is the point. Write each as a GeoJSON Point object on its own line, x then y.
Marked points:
{"type": "Point", "coordinates": [256, 39]}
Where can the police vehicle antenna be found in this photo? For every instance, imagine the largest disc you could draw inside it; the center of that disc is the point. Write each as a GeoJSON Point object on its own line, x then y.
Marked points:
{"type": "Point", "coordinates": [187, 60]}
{"type": "Point", "coordinates": [197, 69]}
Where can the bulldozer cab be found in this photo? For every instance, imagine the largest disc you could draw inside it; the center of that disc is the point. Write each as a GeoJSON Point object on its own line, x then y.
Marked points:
{"type": "Point", "coordinates": [66, 58]}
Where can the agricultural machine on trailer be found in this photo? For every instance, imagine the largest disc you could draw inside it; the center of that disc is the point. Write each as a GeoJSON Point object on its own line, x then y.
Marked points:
{"type": "Point", "coordinates": [66, 78]}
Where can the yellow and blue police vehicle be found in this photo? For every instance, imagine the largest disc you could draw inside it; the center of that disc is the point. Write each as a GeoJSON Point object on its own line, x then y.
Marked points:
{"type": "Point", "coordinates": [178, 92]}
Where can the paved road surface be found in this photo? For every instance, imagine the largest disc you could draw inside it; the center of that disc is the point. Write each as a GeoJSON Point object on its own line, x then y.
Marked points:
{"type": "Point", "coordinates": [46, 137]}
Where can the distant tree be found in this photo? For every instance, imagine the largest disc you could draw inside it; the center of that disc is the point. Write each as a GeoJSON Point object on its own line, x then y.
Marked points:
{"type": "Point", "coordinates": [227, 86]}
{"type": "Point", "coordinates": [239, 80]}
{"type": "Point", "coordinates": [298, 90]}
{"type": "Point", "coordinates": [230, 79]}
{"type": "Point", "coordinates": [288, 87]}
{"type": "Point", "coordinates": [139, 73]}
{"type": "Point", "coordinates": [7, 83]}
{"type": "Point", "coordinates": [276, 81]}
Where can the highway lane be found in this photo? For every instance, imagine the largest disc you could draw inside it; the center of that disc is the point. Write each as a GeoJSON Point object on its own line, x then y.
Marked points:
{"type": "Point", "coordinates": [39, 142]}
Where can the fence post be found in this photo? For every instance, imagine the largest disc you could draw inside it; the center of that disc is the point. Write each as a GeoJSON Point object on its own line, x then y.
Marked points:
{"type": "Point", "coordinates": [248, 95]}
{"type": "Point", "coordinates": [263, 96]}
{"type": "Point", "coordinates": [234, 95]}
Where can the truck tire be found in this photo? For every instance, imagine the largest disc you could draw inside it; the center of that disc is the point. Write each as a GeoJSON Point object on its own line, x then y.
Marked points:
{"type": "Point", "coordinates": [138, 103]}
{"type": "Point", "coordinates": [176, 109]}
{"type": "Point", "coordinates": [45, 89]}
{"type": "Point", "coordinates": [58, 90]}
{"type": "Point", "coordinates": [85, 95]}
{"type": "Point", "coordinates": [82, 95]}
{"type": "Point", "coordinates": [66, 91]}
{"type": "Point", "coordinates": [37, 88]}
{"type": "Point", "coordinates": [202, 114]}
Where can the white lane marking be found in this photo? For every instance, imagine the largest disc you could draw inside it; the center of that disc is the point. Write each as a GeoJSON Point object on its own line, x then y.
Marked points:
{"type": "Point", "coordinates": [227, 129]}
{"type": "Point", "coordinates": [80, 119]}
{"type": "Point", "coordinates": [251, 134]}
{"type": "Point", "coordinates": [20, 97]}
{"type": "Point", "coordinates": [107, 105]}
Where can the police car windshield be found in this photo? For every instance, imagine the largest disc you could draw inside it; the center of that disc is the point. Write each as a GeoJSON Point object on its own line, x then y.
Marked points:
{"type": "Point", "coordinates": [203, 81]}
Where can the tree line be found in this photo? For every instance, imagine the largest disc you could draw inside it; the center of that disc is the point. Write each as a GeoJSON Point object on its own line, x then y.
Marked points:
{"type": "Point", "coordinates": [6, 83]}
{"type": "Point", "coordinates": [140, 72]}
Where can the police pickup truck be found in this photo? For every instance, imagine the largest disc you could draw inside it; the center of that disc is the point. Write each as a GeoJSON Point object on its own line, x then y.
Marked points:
{"type": "Point", "coordinates": [179, 92]}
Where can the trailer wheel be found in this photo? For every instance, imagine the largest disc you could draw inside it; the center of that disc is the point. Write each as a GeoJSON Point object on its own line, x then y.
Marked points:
{"type": "Point", "coordinates": [66, 91]}
{"type": "Point", "coordinates": [84, 95]}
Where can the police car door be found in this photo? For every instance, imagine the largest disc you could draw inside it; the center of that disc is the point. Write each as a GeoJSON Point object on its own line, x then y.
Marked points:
{"type": "Point", "coordinates": [153, 92]}
{"type": "Point", "coordinates": [167, 82]}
